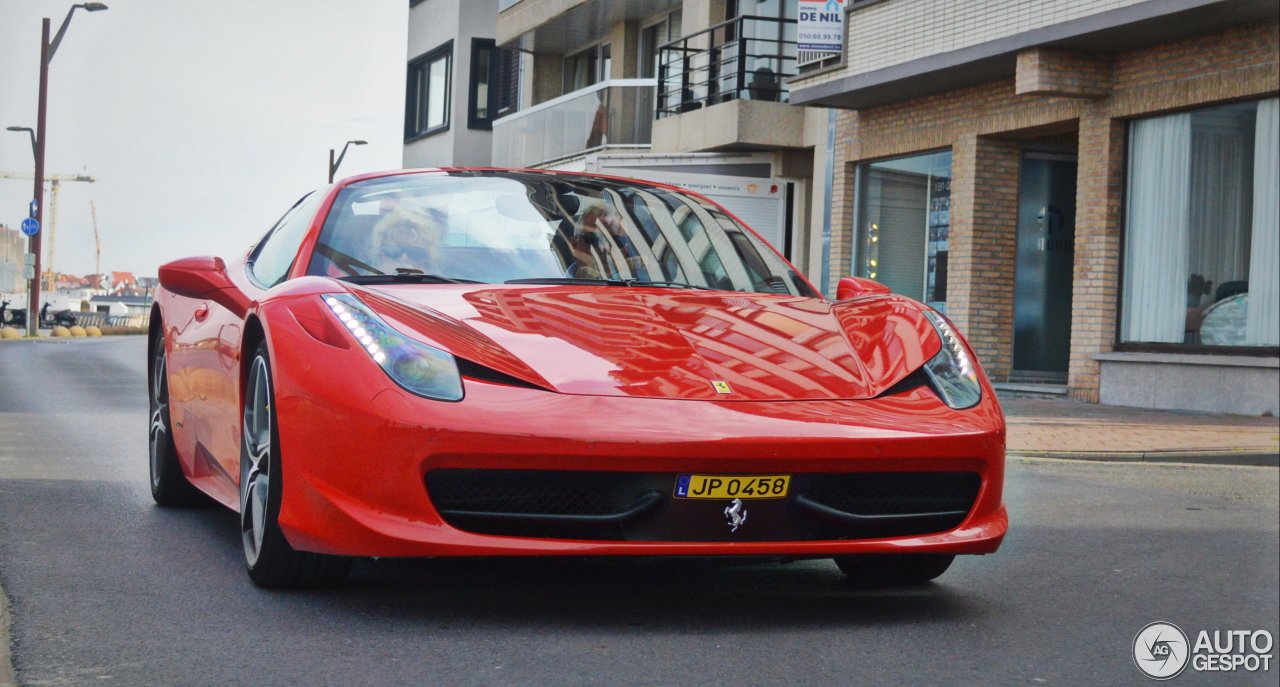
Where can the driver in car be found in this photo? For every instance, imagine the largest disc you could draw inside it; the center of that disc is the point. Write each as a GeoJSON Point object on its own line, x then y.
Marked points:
{"type": "Point", "coordinates": [407, 238]}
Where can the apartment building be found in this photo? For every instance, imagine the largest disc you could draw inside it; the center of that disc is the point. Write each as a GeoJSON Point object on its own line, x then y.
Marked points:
{"type": "Point", "coordinates": [13, 251]}
{"type": "Point", "coordinates": [457, 83]}
{"type": "Point", "coordinates": [691, 93]}
{"type": "Point", "coordinates": [1087, 187]}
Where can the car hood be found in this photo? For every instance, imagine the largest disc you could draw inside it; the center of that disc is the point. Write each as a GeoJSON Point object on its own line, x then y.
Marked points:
{"type": "Point", "coordinates": [669, 343]}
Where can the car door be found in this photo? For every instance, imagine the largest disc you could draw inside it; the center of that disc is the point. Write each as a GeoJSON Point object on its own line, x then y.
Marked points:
{"type": "Point", "coordinates": [219, 335]}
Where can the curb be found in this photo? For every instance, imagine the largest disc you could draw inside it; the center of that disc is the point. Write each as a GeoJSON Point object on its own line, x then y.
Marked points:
{"type": "Point", "coordinates": [7, 676]}
{"type": "Point", "coordinates": [1250, 457]}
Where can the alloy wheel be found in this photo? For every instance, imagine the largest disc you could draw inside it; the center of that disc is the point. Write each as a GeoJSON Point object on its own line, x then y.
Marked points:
{"type": "Point", "coordinates": [255, 467]}
{"type": "Point", "coordinates": [158, 433]}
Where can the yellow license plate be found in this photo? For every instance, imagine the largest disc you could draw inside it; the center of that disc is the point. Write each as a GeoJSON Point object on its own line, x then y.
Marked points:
{"type": "Point", "coordinates": [732, 486]}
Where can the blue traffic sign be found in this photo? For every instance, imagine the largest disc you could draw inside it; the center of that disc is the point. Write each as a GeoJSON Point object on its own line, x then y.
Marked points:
{"type": "Point", "coordinates": [30, 227]}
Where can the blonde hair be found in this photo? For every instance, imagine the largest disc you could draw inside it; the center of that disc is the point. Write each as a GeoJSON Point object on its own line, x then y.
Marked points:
{"type": "Point", "coordinates": [409, 225]}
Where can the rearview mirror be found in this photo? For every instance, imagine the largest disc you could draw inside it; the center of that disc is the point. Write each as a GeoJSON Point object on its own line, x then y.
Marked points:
{"type": "Point", "coordinates": [853, 287]}
{"type": "Point", "coordinates": [204, 278]}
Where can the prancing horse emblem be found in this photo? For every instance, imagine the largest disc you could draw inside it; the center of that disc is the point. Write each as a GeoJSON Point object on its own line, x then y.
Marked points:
{"type": "Point", "coordinates": [736, 514]}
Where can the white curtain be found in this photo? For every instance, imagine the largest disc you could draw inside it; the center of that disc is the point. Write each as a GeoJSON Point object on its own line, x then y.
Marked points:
{"type": "Point", "coordinates": [1263, 326]}
{"type": "Point", "coordinates": [1155, 271]}
{"type": "Point", "coordinates": [1218, 228]}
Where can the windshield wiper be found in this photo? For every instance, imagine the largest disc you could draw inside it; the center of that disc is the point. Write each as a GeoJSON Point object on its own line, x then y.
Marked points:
{"type": "Point", "coordinates": [589, 281]}
{"type": "Point", "coordinates": [667, 284]}
{"type": "Point", "coordinates": [582, 281]}
{"type": "Point", "coordinates": [406, 278]}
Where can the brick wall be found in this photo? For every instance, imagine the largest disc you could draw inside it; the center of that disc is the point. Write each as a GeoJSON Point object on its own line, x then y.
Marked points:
{"type": "Point", "coordinates": [983, 245]}
{"type": "Point", "coordinates": [1044, 71]}
{"type": "Point", "coordinates": [1096, 281]}
{"type": "Point", "coordinates": [982, 125]}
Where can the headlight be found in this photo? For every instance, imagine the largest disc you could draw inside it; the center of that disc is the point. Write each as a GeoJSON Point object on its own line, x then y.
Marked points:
{"type": "Point", "coordinates": [953, 373]}
{"type": "Point", "coordinates": [421, 369]}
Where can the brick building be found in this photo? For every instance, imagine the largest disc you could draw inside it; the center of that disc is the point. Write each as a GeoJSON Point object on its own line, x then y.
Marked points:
{"type": "Point", "coordinates": [1087, 187]}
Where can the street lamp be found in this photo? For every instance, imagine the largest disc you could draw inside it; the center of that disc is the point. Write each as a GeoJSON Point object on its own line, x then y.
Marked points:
{"type": "Point", "coordinates": [47, 49]}
{"type": "Point", "coordinates": [88, 7]}
{"type": "Point", "coordinates": [333, 166]}
{"type": "Point", "coordinates": [29, 130]}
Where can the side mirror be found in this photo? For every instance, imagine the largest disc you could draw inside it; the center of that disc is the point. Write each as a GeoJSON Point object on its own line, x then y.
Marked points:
{"type": "Point", "coordinates": [853, 287]}
{"type": "Point", "coordinates": [204, 278]}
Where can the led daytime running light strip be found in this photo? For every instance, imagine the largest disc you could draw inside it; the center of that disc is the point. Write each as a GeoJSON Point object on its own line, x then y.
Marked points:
{"type": "Point", "coordinates": [953, 372]}
{"type": "Point", "coordinates": [421, 369]}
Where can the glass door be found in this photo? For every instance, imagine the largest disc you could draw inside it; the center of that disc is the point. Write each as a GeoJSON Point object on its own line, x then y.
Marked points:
{"type": "Point", "coordinates": [1046, 255]}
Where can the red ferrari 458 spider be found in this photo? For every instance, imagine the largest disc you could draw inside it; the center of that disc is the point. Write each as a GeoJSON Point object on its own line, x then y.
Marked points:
{"type": "Point", "coordinates": [500, 362]}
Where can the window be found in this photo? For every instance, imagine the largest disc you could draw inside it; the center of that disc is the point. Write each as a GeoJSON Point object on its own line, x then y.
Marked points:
{"type": "Point", "coordinates": [492, 226]}
{"type": "Point", "coordinates": [495, 83]}
{"type": "Point", "coordinates": [904, 222]}
{"type": "Point", "coordinates": [274, 256]}
{"type": "Point", "coordinates": [507, 82]}
{"type": "Point", "coordinates": [1202, 241]}
{"type": "Point", "coordinates": [484, 66]}
{"type": "Point", "coordinates": [587, 68]}
{"type": "Point", "coordinates": [666, 30]}
{"type": "Point", "coordinates": [427, 97]}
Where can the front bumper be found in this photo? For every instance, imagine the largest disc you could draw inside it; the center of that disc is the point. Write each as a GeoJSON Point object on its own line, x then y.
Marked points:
{"type": "Point", "coordinates": [356, 453]}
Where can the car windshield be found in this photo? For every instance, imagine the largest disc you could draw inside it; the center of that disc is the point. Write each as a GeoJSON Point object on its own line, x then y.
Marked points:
{"type": "Point", "coordinates": [496, 227]}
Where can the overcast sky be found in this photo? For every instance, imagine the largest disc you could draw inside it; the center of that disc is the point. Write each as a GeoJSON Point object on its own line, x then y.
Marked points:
{"type": "Point", "coordinates": [202, 121]}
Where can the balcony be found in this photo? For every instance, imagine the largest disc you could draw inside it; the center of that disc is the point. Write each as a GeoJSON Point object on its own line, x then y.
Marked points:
{"type": "Point", "coordinates": [613, 114]}
{"type": "Point", "coordinates": [746, 58]}
{"type": "Point", "coordinates": [724, 89]}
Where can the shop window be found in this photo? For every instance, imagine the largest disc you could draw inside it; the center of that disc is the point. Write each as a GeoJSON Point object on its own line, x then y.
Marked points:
{"type": "Point", "coordinates": [427, 94]}
{"type": "Point", "coordinates": [1202, 242]}
{"type": "Point", "coordinates": [904, 221]}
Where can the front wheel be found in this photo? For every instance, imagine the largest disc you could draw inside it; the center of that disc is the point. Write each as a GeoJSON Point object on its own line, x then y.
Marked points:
{"type": "Point", "coordinates": [271, 561]}
{"type": "Point", "coordinates": [893, 569]}
{"type": "Point", "coordinates": [169, 487]}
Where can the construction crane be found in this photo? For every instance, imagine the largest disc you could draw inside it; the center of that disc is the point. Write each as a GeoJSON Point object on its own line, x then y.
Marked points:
{"type": "Point", "coordinates": [97, 246]}
{"type": "Point", "coordinates": [54, 180]}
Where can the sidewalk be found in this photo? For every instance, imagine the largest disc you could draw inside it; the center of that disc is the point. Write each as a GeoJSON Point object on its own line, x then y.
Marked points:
{"type": "Point", "coordinates": [1088, 431]}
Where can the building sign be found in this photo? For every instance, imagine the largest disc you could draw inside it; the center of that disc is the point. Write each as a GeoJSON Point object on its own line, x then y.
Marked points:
{"type": "Point", "coordinates": [821, 27]}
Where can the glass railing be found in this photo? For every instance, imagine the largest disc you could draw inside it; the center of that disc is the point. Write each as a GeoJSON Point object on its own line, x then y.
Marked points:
{"type": "Point", "coordinates": [745, 58]}
{"type": "Point", "coordinates": [617, 113]}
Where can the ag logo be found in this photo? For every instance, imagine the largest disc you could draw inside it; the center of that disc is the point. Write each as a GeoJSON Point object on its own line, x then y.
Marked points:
{"type": "Point", "coordinates": [1161, 650]}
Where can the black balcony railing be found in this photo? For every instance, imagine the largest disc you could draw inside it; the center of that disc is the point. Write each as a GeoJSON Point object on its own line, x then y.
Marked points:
{"type": "Point", "coordinates": [744, 58]}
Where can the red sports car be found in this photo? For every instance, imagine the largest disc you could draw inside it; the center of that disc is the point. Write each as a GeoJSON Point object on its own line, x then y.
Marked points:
{"type": "Point", "coordinates": [504, 362]}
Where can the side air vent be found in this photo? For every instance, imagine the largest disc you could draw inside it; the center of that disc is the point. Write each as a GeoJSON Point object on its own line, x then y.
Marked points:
{"type": "Point", "coordinates": [911, 381]}
{"type": "Point", "coordinates": [481, 373]}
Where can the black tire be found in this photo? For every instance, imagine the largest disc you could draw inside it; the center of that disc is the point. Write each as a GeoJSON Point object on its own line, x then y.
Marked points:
{"type": "Point", "coordinates": [893, 569]}
{"type": "Point", "coordinates": [271, 561]}
{"type": "Point", "coordinates": [169, 487]}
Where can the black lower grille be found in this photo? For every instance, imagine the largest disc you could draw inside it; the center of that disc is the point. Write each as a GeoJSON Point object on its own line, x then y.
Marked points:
{"type": "Point", "coordinates": [947, 495]}
{"type": "Point", "coordinates": [638, 506]}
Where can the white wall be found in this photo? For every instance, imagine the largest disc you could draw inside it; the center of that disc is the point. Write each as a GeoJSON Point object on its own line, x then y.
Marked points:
{"type": "Point", "coordinates": [888, 33]}
{"type": "Point", "coordinates": [432, 23]}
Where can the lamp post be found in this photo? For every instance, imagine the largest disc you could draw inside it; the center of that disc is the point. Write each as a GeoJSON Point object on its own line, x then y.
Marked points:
{"type": "Point", "coordinates": [30, 131]}
{"type": "Point", "coordinates": [333, 166]}
{"type": "Point", "coordinates": [47, 50]}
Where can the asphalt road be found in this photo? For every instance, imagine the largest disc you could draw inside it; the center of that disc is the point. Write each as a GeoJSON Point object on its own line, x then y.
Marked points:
{"type": "Point", "coordinates": [106, 588]}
